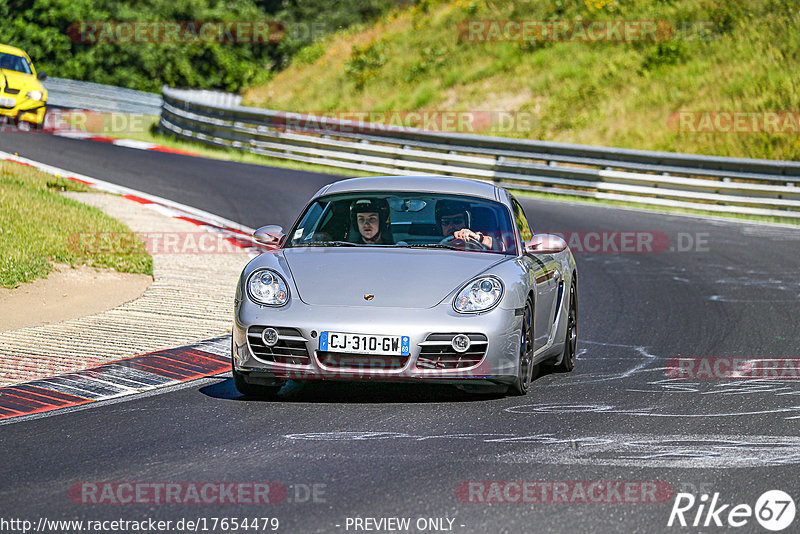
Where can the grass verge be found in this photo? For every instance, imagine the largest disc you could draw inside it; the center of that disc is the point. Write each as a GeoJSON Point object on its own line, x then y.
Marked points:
{"type": "Point", "coordinates": [39, 226]}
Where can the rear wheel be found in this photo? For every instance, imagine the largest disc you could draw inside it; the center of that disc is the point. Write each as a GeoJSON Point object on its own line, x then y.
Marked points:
{"type": "Point", "coordinates": [522, 384]}
{"type": "Point", "coordinates": [567, 363]}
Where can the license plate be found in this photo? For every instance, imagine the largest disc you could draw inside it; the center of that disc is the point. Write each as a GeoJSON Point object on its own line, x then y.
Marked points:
{"type": "Point", "coordinates": [364, 344]}
{"type": "Point", "coordinates": [7, 102]}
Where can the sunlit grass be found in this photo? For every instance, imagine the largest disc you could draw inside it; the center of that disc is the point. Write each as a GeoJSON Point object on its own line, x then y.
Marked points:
{"type": "Point", "coordinates": [38, 227]}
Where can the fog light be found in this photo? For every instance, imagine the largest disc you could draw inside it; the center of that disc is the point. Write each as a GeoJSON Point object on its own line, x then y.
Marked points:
{"type": "Point", "coordinates": [270, 337]}
{"type": "Point", "coordinates": [460, 343]}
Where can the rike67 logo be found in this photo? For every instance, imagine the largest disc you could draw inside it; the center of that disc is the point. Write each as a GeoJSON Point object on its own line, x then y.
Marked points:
{"type": "Point", "coordinates": [774, 510]}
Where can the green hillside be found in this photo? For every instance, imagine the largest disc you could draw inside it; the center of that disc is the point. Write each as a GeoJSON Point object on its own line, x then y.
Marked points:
{"type": "Point", "coordinates": [721, 60]}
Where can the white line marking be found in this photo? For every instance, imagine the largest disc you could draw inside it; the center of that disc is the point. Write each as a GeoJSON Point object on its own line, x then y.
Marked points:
{"type": "Point", "coordinates": [133, 143]}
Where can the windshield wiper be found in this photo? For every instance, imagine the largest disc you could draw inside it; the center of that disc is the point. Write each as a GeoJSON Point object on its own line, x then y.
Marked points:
{"type": "Point", "coordinates": [327, 244]}
{"type": "Point", "coordinates": [445, 246]}
{"type": "Point", "coordinates": [427, 245]}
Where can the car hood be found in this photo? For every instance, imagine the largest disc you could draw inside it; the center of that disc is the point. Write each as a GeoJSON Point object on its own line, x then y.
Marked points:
{"type": "Point", "coordinates": [403, 278]}
{"type": "Point", "coordinates": [19, 80]}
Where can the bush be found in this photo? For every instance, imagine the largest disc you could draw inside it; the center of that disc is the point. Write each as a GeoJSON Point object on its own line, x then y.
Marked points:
{"type": "Point", "coordinates": [665, 53]}
{"type": "Point", "coordinates": [364, 63]}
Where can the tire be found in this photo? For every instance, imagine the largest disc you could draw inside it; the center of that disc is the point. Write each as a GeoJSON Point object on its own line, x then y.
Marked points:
{"type": "Point", "coordinates": [252, 390]}
{"type": "Point", "coordinates": [525, 372]}
{"type": "Point", "coordinates": [22, 126]}
{"type": "Point", "coordinates": [39, 126]}
{"type": "Point", "coordinates": [567, 362]}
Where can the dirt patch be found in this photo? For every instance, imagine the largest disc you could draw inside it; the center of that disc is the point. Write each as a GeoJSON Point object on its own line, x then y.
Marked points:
{"type": "Point", "coordinates": [68, 293]}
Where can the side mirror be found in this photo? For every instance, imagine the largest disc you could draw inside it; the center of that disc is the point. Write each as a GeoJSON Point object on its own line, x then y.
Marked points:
{"type": "Point", "coordinates": [545, 244]}
{"type": "Point", "coordinates": [41, 76]}
{"type": "Point", "coordinates": [271, 235]}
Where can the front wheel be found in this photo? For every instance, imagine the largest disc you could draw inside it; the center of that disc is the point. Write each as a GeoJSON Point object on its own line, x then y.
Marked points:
{"type": "Point", "coordinates": [39, 126]}
{"type": "Point", "coordinates": [522, 384]}
{"type": "Point", "coordinates": [567, 363]}
{"type": "Point", "coordinates": [253, 390]}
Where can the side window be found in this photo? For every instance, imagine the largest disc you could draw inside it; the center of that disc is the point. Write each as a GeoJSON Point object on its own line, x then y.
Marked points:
{"type": "Point", "coordinates": [522, 222]}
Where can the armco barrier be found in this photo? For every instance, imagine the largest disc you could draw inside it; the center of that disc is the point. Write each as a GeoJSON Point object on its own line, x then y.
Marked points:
{"type": "Point", "coordinates": [710, 183]}
{"type": "Point", "coordinates": [73, 94]}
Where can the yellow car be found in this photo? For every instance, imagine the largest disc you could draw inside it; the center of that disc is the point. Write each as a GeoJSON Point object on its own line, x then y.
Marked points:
{"type": "Point", "coordinates": [22, 96]}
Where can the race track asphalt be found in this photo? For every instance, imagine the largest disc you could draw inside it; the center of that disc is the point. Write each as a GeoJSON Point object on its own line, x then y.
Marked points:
{"type": "Point", "coordinates": [378, 451]}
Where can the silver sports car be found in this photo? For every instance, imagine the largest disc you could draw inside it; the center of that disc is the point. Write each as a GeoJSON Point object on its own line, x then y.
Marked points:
{"type": "Point", "coordinates": [403, 278]}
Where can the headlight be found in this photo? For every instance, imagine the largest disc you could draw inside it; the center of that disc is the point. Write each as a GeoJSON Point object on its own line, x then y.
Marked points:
{"type": "Point", "coordinates": [268, 288]}
{"type": "Point", "coordinates": [35, 95]}
{"type": "Point", "coordinates": [481, 294]}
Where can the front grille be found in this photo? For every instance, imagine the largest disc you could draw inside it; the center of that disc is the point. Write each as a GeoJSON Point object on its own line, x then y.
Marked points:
{"type": "Point", "coordinates": [291, 346]}
{"type": "Point", "coordinates": [341, 360]}
{"type": "Point", "coordinates": [437, 353]}
{"type": "Point", "coordinates": [11, 91]}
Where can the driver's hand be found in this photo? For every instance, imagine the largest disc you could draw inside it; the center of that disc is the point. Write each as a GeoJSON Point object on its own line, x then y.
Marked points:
{"type": "Point", "coordinates": [466, 233]}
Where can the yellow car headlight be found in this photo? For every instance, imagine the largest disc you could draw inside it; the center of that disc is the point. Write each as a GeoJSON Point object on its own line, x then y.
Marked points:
{"type": "Point", "coordinates": [35, 94]}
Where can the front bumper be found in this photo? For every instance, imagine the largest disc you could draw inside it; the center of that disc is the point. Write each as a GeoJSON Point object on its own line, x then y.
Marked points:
{"type": "Point", "coordinates": [302, 324]}
{"type": "Point", "coordinates": [27, 110]}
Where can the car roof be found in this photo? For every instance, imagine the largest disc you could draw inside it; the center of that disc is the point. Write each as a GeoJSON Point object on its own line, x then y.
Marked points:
{"type": "Point", "coordinates": [422, 184]}
{"type": "Point", "coordinates": [8, 49]}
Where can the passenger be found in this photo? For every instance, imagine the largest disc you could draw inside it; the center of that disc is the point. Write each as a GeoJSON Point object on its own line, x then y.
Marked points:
{"type": "Point", "coordinates": [452, 217]}
{"type": "Point", "coordinates": [370, 218]}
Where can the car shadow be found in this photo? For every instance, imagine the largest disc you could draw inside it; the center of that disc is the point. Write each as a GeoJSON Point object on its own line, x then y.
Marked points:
{"type": "Point", "coordinates": [320, 391]}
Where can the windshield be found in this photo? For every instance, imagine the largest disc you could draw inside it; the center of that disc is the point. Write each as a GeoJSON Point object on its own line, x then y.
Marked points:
{"type": "Point", "coordinates": [16, 63]}
{"type": "Point", "coordinates": [413, 220]}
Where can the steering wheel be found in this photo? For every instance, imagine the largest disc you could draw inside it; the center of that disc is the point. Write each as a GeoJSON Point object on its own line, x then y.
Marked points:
{"type": "Point", "coordinates": [467, 244]}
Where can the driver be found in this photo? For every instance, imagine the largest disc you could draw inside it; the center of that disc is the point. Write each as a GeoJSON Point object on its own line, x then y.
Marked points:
{"type": "Point", "coordinates": [7, 62]}
{"type": "Point", "coordinates": [370, 217]}
{"type": "Point", "coordinates": [453, 218]}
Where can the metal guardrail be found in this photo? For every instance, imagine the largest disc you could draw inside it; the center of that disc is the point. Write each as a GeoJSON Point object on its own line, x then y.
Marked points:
{"type": "Point", "coordinates": [710, 183]}
{"type": "Point", "coordinates": [204, 96]}
{"type": "Point", "coordinates": [73, 94]}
